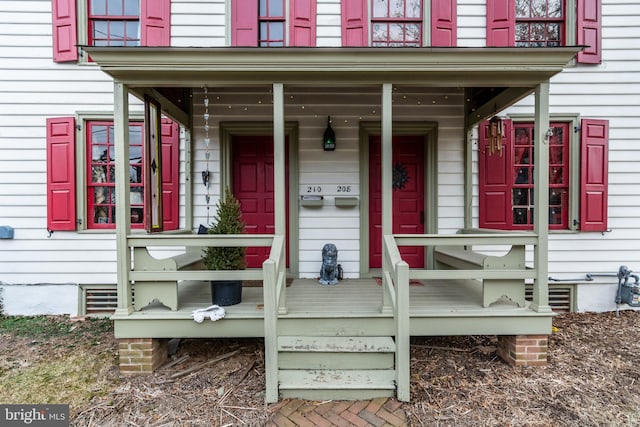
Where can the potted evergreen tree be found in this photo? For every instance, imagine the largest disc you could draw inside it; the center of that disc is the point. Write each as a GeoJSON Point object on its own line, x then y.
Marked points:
{"type": "Point", "coordinates": [227, 220]}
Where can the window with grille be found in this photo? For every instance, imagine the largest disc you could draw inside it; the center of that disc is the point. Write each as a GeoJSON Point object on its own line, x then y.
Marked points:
{"type": "Point", "coordinates": [114, 22]}
{"type": "Point", "coordinates": [540, 23]}
{"type": "Point", "coordinates": [523, 185]}
{"type": "Point", "coordinates": [271, 22]}
{"type": "Point", "coordinates": [396, 23]}
{"type": "Point", "coordinates": [102, 175]}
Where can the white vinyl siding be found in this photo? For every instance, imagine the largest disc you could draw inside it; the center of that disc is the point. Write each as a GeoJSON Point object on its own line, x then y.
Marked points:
{"type": "Point", "coordinates": [33, 87]}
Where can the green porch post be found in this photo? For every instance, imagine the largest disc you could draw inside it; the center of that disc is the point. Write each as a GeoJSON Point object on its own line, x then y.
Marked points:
{"type": "Point", "coordinates": [123, 219]}
{"type": "Point", "coordinates": [387, 166]}
{"type": "Point", "coordinates": [387, 181]}
{"type": "Point", "coordinates": [541, 199]}
{"type": "Point", "coordinates": [280, 204]}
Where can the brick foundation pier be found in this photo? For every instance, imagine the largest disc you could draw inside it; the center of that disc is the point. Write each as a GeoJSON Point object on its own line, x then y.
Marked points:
{"type": "Point", "coordinates": [141, 355]}
{"type": "Point", "coordinates": [524, 350]}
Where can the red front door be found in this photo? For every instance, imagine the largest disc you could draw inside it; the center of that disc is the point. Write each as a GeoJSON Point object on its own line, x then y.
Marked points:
{"type": "Point", "coordinates": [253, 187]}
{"type": "Point", "coordinates": [408, 196]}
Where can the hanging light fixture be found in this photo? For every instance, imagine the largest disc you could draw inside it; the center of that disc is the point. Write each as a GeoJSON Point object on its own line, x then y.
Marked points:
{"type": "Point", "coordinates": [329, 139]}
{"type": "Point", "coordinates": [496, 133]}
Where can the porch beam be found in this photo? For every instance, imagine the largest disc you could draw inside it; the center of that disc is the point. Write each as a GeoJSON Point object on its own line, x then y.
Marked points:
{"type": "Point", "coordinates": [540, 301]}
{"type": "Point", "coordinates": [123, 218]}
{"type": "Point", "coordinates": [498, 103]}
{"type": "Point", "coordinates": [279, 160]}
{"type": "Point", "coordinates": [172, 110]}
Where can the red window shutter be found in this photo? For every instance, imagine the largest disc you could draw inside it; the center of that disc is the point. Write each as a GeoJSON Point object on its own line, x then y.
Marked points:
{"type": "Point", "coordinates": [443, 23]}
{"type": "Point", "coordinates": [155, 23]}
{"type": "Point", "coordinates": [303, 23]}
{"type": "Point", "coordinates": [244, 23]}
{"type": "Point", "coordinates": [170, 174]}
{"type": "Point", "coordinates": [501, 22]}
{"type": "Point", "coordinates": [495, 180]}
{"type": "Point", "coordinates": [65, 38]}
{"type": "Point", "coordinates": [61, 174]}
{"type": "Point", "coordinates": [354, 23]}
{"type": "Point", "coordinates": [590, 31]}
{"type": "Point", "coordinates": [594, 174]}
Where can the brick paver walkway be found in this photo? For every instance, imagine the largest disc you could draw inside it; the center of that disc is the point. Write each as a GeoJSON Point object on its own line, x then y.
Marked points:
{"type": "Point", "coordinates": [377, 412]}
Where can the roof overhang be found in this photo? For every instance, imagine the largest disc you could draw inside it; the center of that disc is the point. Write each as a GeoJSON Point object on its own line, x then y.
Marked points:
{"type": "Point", "coordinates": [463, 67]}
{"type": "Point", "coordinates": [511, 72]}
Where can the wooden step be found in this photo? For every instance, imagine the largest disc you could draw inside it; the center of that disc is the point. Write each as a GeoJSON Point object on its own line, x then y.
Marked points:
{"type": "Point", "coordinates": [315, 360]}
{"type": "Point", "coordinates": [336, 344]}
{"type": "Point", "coordinates": [336, 384]}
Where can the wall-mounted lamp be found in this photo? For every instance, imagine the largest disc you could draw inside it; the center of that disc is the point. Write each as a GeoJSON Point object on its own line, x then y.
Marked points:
{"type": "Point", "coordinates": [496, 133]}
{"type": "Point", "coordinates": [329, 139]}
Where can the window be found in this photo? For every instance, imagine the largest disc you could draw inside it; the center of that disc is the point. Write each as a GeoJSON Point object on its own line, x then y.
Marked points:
{"type": "Point", "coordinates": [114, 23]}
{"type": "Point", "coordinates": [264, 23]}
{"type": "Point", "coordinates": [101, 200]}
{"type": "Point", "coordinates": [522, 167]}
{"type": "Point", "coordinates": [540, 23]}
{"type": "Point", "coordinates": [271, 23]}
{"type": "Point", "coordinates": [546, 23]}
{"type": "Point", "coordinates": [108, 23]}
{"type": "Point", "coordinates": [577, 176]}
{"type": "Point", "coordinates": [96, 204]}
{"type": "Point", "coordinates": [398, 23]}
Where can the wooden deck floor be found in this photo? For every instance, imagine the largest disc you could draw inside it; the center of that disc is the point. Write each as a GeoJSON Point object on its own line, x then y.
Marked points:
{"type": "Point", "coordinates": [451, 307]}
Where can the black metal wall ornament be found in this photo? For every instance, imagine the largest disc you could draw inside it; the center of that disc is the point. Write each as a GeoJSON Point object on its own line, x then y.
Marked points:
{"type": "Point", "coordinates": [400, 176]}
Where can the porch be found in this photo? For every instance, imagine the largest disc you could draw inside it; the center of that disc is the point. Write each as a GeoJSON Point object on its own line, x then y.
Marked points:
{"type": "Point", "coordinates": [350, 340]}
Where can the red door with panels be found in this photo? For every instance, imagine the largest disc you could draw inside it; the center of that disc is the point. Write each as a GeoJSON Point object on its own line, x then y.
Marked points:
{"type": "Point", "coordinates": [408, 196]}
{"type": "Point", "coordinates": [253, 184]}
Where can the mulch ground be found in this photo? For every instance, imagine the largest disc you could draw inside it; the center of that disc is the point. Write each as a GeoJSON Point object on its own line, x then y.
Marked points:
{"type": "Point", "coordinates": [592, 379]}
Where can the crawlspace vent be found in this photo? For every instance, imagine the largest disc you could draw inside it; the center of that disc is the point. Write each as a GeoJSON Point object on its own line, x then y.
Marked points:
{"type": "Point", "coordinates": [560, 297]}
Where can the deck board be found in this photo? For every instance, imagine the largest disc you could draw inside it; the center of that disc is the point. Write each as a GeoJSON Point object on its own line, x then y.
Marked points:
{"type": "Point", "coordinates": [306, 297]}
{"type": "Point", "coordinates": [353, 306]}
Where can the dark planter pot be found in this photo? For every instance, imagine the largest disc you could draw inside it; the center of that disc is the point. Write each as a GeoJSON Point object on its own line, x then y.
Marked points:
{"type": "Point", "coordinates": [226, 292]}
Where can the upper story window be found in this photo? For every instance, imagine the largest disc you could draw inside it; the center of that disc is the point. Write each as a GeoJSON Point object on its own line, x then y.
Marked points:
{"type": "Point", "coordinates": [540, 23]}
{"type": "Point", "coordinates": [396, 23]}
{"type": "Point", "coordinates": [114, 22]}
{"type": "Point", "coordinates": [271, 23]}
{"type": "Point", "coordinates": [108, 23]}
{"type": "Point", "coordinates": [547, 23]}
{"type": "Point", "coordinates": [399, 23]}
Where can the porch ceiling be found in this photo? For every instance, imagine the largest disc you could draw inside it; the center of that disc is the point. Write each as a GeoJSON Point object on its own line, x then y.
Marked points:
{"type": "Point", "coordinates": [511, 73]}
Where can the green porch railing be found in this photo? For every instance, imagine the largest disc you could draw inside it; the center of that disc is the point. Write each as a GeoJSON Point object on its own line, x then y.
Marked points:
{"type": "Point", "coordinates": [395, 282]}
{"type": "Point", "coordinates": [272, 274]}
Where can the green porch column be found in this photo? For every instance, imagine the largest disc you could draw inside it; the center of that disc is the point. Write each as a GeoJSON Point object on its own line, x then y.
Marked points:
{"type": "Point", "coordinates": [280, 205]}
{"type": "Point", "coordinates": [123, 218]}
{"type": "Point", "coordinates": [387, 160]}
{"type": "Point", "coordinates": [541, 199]}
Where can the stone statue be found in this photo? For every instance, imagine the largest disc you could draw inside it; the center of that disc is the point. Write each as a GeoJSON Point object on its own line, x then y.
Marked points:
{"type": "Point", "coordinates": [330, 271]}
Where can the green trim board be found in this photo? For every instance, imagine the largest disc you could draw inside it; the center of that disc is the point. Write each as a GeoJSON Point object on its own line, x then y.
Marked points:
{"type": "Point", "coordinates": [443, 67]}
